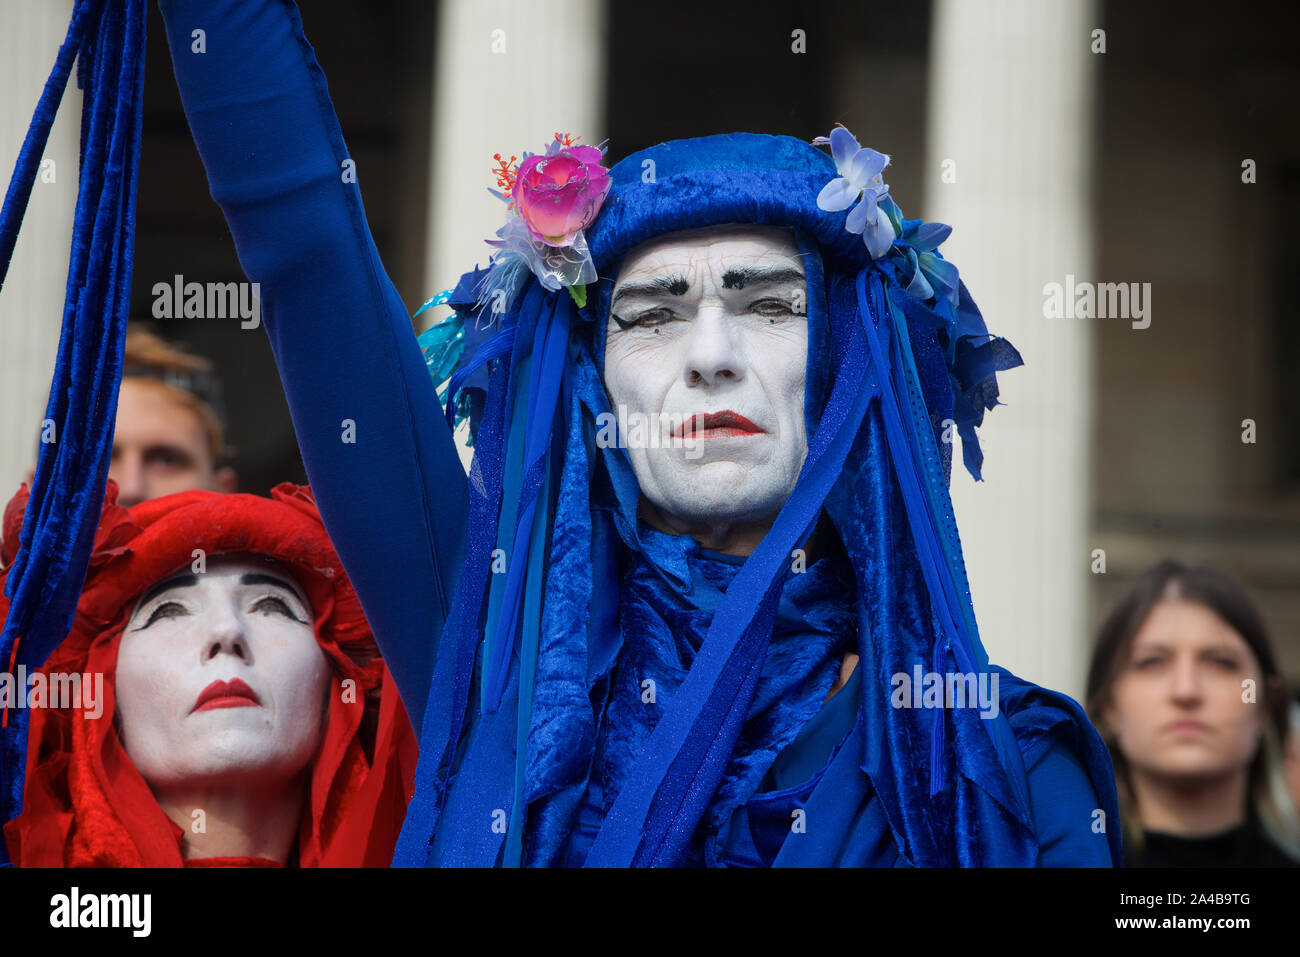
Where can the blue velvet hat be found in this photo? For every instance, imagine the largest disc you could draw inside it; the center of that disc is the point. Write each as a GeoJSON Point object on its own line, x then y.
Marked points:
{"type": "Point", "coordinates": [759, 179]}
{"type": "Point", "coordinates": [898, 355]}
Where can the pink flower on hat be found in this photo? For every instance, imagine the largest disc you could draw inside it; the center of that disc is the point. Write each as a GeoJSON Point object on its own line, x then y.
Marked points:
{"type": "Point", "coordinates": [559, 193]}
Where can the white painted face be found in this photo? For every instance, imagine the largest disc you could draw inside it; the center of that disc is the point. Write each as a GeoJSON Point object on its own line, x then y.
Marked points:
{"type": "Point", "coordinates": [702, 323]}
{"type": "Point", "coordinates": [220, 678]}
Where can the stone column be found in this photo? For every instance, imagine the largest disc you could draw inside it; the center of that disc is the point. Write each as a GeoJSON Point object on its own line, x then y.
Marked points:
{"type": "Point", "coordinates": [31, 303]}
{"type": "Point", "coordinates": [1010, 122]}
{"type": "Point", "coordinates": [508, 77]}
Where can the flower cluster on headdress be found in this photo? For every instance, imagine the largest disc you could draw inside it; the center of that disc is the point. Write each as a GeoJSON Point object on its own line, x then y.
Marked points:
{"type": "Point", "coordinates": [911, 244]}
{"type": "Point", "coordinates": [906, 252]}
{"type": "Point", "coordinates": [551, 198]}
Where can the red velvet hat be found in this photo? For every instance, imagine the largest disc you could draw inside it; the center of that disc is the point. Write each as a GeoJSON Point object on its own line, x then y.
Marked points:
{"type": "Point", "coordinates": [85, 804]}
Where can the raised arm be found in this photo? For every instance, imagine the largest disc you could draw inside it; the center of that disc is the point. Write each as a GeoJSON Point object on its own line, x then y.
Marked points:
{"type": "Point", "coordinates": [380, 457]}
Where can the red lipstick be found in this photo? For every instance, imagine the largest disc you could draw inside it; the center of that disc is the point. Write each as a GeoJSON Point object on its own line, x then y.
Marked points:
{"type": "Point", "coordinates": [721, 423]}
{"type": "Point", "coordinates": [226, 694]}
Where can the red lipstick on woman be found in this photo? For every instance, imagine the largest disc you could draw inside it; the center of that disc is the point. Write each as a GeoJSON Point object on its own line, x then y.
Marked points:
{"type": "Point", "coordinates": [226, 694]}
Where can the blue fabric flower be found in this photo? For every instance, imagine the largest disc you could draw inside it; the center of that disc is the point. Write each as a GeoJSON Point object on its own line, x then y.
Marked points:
{"type": "Point", "coordinates": [859, 182]}
{"type": "Point", "coordinates": [927, 274]}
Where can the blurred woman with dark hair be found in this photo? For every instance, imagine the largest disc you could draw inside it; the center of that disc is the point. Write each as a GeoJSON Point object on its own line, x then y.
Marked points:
{"type": "Point", "coordinates": [1186, 692]}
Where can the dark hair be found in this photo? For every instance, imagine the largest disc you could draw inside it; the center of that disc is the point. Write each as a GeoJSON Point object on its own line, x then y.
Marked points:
{"type": "Point", "coordinates": [1220, 593]}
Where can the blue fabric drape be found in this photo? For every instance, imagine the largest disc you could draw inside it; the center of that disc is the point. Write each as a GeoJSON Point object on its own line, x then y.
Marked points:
{"type": "Point", "coordinates": [951, 787]}
{"type": "Point", "coordinates": [107, 40]}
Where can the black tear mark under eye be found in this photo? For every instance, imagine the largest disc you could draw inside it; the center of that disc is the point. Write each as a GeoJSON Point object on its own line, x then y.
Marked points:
{"type": "Point", "coordinates": [626, 324]}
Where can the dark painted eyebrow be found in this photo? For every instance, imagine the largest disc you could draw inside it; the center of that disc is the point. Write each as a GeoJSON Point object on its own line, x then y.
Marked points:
{"type": "Point", "coordinates": [189, 580]}
{"type": "Point", "coordinates": [738, 277]}
{"type": "Point", "coordinates": [672, 285]}
{"type": "Point", "coordinates": [176, 581]}
{"type": "Point", "coordinates": [254, 578]}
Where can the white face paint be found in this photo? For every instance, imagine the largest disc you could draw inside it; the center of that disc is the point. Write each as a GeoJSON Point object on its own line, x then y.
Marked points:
{"type": "Point", "coordinates": [220, 679]}
{"type": "Point", "coordinates": [719, 324]}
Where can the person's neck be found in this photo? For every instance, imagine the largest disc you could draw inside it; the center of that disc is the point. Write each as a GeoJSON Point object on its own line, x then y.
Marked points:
{"type": "Point", "coordinates": [237, 821]}
{"type": "Point", "coordinates": [729, 538]}
{"type": "Point", "coordinates": [1191, 808]}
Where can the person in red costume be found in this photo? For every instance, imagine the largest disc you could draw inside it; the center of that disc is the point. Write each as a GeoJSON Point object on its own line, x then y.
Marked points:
{"type": "Point", "coordinates": [246, 717]}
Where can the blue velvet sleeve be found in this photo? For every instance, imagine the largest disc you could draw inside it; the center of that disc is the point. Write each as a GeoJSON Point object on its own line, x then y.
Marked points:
{"type": "Point", "coordinates": [1064, 805]}
{"type": "Point", "coordinates": [380, 457]}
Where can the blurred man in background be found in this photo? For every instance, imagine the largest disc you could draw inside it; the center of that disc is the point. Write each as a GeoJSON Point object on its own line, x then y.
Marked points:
{"type": "Point", "coordinates": [170, 435]}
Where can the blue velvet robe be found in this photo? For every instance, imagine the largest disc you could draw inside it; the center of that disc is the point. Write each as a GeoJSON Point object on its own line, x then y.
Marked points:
{"type": "Point", "coordinates": [398, 509]}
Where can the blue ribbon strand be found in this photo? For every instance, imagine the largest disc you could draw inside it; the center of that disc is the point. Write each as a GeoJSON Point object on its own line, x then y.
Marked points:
{"type": "Point", "coordinates": [907, 439]}
{"type": "Point", "coordinates": [551, 344]}
{"type": "Point", "coordinates": [654, 816]}
{"type": "Point", "coordinates": [107, 41]}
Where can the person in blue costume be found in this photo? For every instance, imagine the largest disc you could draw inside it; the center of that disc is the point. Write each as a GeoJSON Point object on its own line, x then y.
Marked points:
{"type": "Point", "coordinates": [590, 686]}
